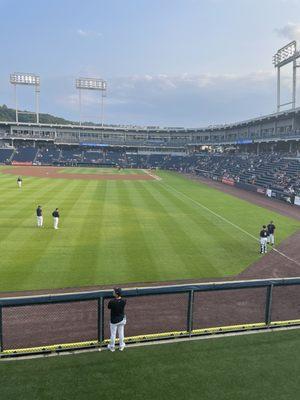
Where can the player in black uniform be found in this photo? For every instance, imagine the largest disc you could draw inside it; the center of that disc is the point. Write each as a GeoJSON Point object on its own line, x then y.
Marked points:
{"type": "Point", "coordinates": [19, 181]}
{"type": "Point", "coordinates": [55, 216]}
{"type": "Point", "coordinates": [263, 239]}
{"type": "Point", "coordinates": [271, 231]}
{"type": "Point", "coordinates": [39, 215]}
{"type": "Point", "coordinates": [117, 319]}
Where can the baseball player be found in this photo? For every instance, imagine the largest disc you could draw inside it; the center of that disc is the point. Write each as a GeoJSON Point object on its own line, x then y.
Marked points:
{"type": "Point", "coordinates": [271, 231]}
{"type": "Point", "coordinates": [263, 239]}
{"type": "Point", "coordinates": [117, 319]}
{"type": "Point", "coordinates": [19, 181]}
{"type": "Point", "coordinates": [39, 215]}
{"type": "Point", "coordinates": [55, 216]}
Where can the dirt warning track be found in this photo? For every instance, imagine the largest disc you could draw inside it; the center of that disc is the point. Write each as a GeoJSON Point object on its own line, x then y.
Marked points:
{"type": "Point", "coordinates": [56, 173]}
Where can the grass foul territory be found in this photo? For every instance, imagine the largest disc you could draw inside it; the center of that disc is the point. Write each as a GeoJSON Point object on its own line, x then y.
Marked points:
{"type": "Point", "coordinates": [261, 366]}
{"type": "Point", "coordinates": [115, 231]}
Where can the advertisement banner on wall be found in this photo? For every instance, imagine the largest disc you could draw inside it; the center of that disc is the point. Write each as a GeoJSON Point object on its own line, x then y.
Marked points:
{"type": "Point", "coordinates": [269, 192]}
{"type": "Point", "coordinates": [297, 200]}
{"type": "Point", "coordinates": [22, 163]}
{"type": "Point", "coordinates": [228, 181]}
{"type": "Point", "coordinates": [261, 190]}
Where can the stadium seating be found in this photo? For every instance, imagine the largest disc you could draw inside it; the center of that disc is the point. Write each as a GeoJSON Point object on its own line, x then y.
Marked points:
{"type": "Point", "coordinates": [48, 156]}
{"type": "Point", "coordinates": [5, 155]}
{"type": "Point", "coordinates": [92, 157]}
{"type": "Point", "coordinates": [25, 154]}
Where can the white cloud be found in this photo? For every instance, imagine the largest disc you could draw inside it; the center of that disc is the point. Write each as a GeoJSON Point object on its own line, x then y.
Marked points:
{"type": "Point", "coordinates": [88, 33]}
{"type": "Point", "coordinates": [179, 100]}
{"type": "Point", "coordinates": [290, 31]}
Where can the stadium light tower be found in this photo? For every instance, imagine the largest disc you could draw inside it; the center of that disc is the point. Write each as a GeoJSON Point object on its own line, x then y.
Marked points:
{"type": "Point", "coordinates": [26, 79]}
{"type": "Point", "coordinates": [285, 55]}
{"type": "Point", "coordinates": [91, 84]}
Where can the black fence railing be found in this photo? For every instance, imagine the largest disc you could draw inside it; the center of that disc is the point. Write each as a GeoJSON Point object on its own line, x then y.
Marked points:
{"type": "Point", "coordinates": [45, 323]}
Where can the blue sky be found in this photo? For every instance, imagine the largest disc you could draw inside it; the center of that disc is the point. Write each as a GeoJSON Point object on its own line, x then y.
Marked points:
{"type": "Point", "coordinates": [167, 62]}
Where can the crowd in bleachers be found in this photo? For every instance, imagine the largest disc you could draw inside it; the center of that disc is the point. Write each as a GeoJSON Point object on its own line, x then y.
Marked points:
{"type": "Point", "coordinates": [277, 171]}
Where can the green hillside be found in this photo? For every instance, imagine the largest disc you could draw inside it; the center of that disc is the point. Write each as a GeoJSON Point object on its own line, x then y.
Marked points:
{"type": "Point", "coordinates": [9, 114]}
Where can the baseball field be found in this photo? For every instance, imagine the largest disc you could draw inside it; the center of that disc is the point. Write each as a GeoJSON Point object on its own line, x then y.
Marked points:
{"type": "Point", "coordinates": [123, 227]}
{"type": "Point", "coordinates": [136, 226]}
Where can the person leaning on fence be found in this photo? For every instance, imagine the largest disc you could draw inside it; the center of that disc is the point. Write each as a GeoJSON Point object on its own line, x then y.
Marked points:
{"type": "Point", "coordinates": [117, 319]}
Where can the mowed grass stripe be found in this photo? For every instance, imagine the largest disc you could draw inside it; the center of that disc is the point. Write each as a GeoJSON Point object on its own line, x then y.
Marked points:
{"type": "Point", "coordinates": [89, 236]}
{"type": "Point", "coordinates": [31, 262]}
{"type": "Point", "coordinates": [205, 242]}
{"type": "Point", "coordinates": [11, 195]}
{"type": "Point", "coordinates": [183, 241]}
{"type": "Point", "coordinates": [244, 214]}
{"type": "Point", "coordinates": [53, 262]}
{"type": "Point", "coordinates": [113, 263]}
{"type": "Point", "coordinates": [23, 242]}
{"type": "Point", "coordinates": [143, 258]}
{"type": "Point", "coordinates": [250, 217]}
{"type": "Point", "coordinates": [19, 220]}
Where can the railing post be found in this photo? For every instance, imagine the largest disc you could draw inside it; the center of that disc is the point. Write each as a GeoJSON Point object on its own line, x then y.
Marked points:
{"type": "Point", "coordinates": [190, 312]}
{"type": "Point", "coordinates": [268, 314]}
{"type": "Point", "coordinates": [1, 331]}
{"type": "Point", "coordinates": [100, 320]}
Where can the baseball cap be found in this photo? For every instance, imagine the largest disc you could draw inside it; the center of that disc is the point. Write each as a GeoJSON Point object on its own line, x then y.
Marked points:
{"type": "Point", "coordinates": [118, 291]}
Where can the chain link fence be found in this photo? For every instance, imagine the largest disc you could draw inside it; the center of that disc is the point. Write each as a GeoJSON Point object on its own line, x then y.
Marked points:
{"type": "Point", "coordinates": [71, 321]}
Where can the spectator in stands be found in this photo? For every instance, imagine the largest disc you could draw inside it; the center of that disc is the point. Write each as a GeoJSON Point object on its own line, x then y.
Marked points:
{"type": "Point", "coordinates": [117, 319]}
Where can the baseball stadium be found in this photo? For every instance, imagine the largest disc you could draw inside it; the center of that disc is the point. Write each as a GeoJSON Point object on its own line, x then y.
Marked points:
{"type": "Point", "coordinates": [195, 230]}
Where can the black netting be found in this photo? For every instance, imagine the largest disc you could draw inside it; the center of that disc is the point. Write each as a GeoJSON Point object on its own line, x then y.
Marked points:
{"type": "Point", "coordinates": [229, 307]}
{"type": "Point", "coordinates": [286, 303]}
{"type": "Point", "coordinates": [47, 324]}
{"type": "Point", "coordinates": [77, 321]}
{"type": "Point", "coordinates": [153, 314]}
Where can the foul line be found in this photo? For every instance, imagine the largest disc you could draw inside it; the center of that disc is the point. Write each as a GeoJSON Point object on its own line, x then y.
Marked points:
{"type": "Point", "coordinates": [158, 178]}
{"type": "Point", "coordinates": [227, 221]}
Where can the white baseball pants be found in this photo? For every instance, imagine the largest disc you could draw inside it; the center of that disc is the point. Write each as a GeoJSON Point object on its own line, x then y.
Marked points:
{"type": "Point", "coordinates": [40, 221]}
{"type": "Point", "coordinates": [271, 238]}
{"type": "Point", "coordinates": [55, 222]}
{"type": "Point", "coordinates": [263, 245]}
{"type": "Point", "coordinates": [113, 333]}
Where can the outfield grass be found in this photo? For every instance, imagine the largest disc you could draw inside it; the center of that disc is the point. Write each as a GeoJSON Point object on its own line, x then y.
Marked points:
{"type": "Point", "coordinates": [261, 366]}
{"type": "Point", "coordinates": [124, 231]}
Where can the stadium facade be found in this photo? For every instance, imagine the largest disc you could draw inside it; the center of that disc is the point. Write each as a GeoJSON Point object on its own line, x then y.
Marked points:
{"type": "Point", "coordinates": [283, 127]}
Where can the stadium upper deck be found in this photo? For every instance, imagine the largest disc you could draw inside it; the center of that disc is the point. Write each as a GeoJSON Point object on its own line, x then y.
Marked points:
{"type": "Point", "coordinates": [283, 126]}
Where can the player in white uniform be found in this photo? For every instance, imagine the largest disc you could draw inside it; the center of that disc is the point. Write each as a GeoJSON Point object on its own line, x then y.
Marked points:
{"type": "Point", "coordinates": [39, 216]}
{"type": "Point", "coordinates": [55, 216]}
{"type": "Point", "coordinates": [263, 239]}
{"type": "Point", "coordinates": [19, 181]}
{"type": "Point", "coordinates": [271, 231]}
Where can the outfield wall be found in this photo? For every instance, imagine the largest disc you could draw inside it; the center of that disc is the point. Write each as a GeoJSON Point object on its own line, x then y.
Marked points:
{"type": "Point", "coordinates": [250, 187]}
{"type": "Point", "coordinates": [41, 324]}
